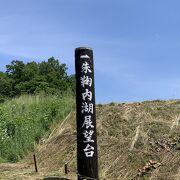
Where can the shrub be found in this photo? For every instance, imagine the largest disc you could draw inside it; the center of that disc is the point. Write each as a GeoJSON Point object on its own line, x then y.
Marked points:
{"type": "Point", "coordinates": [26, 119]}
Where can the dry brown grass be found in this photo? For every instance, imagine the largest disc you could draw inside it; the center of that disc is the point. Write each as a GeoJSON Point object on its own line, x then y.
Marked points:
{"type": "Point", "coordinates": [129, 135]}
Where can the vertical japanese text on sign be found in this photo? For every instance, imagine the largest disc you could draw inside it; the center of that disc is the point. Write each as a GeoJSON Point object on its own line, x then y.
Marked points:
{"type": "Point", "coordinates": [86, 114]}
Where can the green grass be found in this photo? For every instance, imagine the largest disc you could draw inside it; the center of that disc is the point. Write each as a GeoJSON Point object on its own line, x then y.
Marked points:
{"type": "Point", "coordinates": [25, 120]}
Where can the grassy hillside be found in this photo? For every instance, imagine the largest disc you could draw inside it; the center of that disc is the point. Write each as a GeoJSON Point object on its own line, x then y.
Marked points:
{"type": "Point", "coordinates": [24, 121]}
{"type": "Point", "coordinates": [136, 141]}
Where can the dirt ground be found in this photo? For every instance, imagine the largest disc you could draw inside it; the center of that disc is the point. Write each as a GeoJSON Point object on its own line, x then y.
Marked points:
{"type": "Point", "coordinates": [136, 141]}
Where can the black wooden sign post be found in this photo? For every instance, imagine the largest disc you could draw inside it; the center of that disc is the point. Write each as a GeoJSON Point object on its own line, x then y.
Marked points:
{"type": "Point", "coordinates": [87, 158]}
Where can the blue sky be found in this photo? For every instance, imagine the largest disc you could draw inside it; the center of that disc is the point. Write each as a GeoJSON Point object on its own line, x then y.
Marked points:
{"type": "Point", "coordinates": [136, 43]}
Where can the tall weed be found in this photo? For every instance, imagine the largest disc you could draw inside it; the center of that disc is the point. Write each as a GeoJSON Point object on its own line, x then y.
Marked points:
{"type": "Point", "coordinates": [24, 120]}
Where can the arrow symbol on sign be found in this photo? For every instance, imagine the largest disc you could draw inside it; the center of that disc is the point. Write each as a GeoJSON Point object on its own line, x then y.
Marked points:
{"type": "Point", "coordinates": [84, 56]}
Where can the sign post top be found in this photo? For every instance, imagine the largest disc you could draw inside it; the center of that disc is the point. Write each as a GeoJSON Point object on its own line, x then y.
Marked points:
{"type": "Point", "coordinates": [83, 48]}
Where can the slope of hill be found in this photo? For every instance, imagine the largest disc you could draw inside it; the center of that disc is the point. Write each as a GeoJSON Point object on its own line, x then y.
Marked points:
{"type": "Point", "coordinates": [24, 120]}
{"type": "Point", "coordinates": [136, 141]}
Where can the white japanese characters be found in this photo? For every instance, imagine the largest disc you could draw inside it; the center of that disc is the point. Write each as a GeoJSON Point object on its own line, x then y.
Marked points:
{"type": "Point", "coordinates": [87, 109]}
{"type": "Point", "coordinates": [86, 68]}
{"type": "Point", "coordinates": [87, 94]}
{"type": "Point", "coordinates": [87, 122]}
{"type": "Point", "coordinates": [88, 136]}
{"type": "Point", "coordinates": [89, 151]}
{"type": "Point", "coordinates": [86, 81]}
{"type": "Point", "coordinates": [84, 56]}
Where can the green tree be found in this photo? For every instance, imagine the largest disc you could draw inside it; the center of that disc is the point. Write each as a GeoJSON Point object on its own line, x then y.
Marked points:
{"type": "Point", "coordinates": [5, 86]}
{"type": "Point", "coordinates": [49, 76]}
{"type": "Point", "coordinates": [54, 73]}
{"type": "Point", "coordinates": [16, 70]}
{"type": "Point", "coordinates": [30, 71]}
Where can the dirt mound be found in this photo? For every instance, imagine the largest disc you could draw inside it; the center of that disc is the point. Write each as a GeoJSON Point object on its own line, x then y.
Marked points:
{"type": "Point", "coordinates": [135, 141]}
